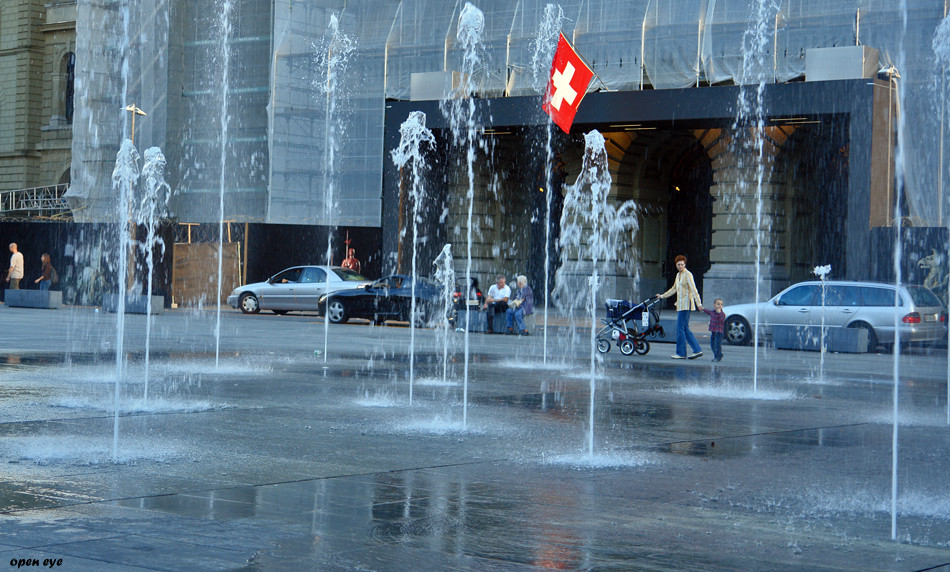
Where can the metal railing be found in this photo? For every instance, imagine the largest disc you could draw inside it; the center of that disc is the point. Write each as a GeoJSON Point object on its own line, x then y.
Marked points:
{"type": "Point", "coordinates": [37, 202]}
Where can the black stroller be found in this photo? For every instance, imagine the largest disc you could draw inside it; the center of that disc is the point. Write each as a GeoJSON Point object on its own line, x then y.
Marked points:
{"type": "Point", "coordinates": [629, 326]}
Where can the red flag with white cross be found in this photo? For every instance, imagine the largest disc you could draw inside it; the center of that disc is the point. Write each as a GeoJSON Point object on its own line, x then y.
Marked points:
{"type": "Point", "coordinates": [570, 77]}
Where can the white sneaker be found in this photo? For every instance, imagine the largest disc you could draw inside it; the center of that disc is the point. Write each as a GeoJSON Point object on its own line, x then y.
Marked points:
{"type": "Point", "coordinates": [674, 356]}
{"type": "Point", "coordinates": [695, 355]}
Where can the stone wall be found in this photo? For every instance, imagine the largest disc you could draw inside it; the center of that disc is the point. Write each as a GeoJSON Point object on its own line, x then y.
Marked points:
{"type": "Point", "coordinates": [34, 144]}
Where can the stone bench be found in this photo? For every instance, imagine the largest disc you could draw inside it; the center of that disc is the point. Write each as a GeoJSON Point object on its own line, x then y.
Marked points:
{"type": "Point", "coordinates": [134, 303]}
{"type": "Point", "coordinates": [50, 299]}
{"type": "Point", "coordinates": [808, 338]}
{"type": "Point", "coordinates": [478, 322]}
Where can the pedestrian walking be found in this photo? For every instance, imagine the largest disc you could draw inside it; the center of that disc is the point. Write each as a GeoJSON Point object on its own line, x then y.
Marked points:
{"type": "Point", "coordinates": [687, 300]}
{"type": "Point", "coordinates": [717, 326]}
{"type": "Point", "coordinates": [15, 272]}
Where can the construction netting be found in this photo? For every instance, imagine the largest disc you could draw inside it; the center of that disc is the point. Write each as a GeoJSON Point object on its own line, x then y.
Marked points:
{"type": "Point", "coordinates": [291, 152]}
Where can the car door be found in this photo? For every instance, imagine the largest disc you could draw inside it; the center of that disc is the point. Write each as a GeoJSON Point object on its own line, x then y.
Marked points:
{"type": "Point", "coordinates": [312, 285]}
{"type": "Point", "coordinates": [400, 298]}
{"type": "Point", "coordinates": [385, 306]}
{"type": "Point", "coordinates": [793, 307]}
{"type": "Point", "coordinates": [280, 292]}
{"type": "Point", "coordinates": [841, 303]}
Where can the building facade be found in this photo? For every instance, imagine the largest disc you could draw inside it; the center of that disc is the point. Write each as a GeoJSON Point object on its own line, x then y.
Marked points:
{"type": "Point", "coordinates": [37, 75]}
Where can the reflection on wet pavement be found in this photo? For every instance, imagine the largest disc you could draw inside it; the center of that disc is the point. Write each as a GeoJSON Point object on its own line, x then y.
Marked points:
{"type": "Point", "coordinates": [277, 461]}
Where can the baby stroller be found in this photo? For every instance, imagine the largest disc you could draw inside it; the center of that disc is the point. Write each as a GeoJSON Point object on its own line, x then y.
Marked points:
{"type": "Point", "coordinates": [629, 326]}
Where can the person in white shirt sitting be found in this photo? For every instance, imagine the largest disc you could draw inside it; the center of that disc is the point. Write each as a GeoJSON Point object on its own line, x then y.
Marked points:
{"type": "Point", "coordinates": [497, 301]}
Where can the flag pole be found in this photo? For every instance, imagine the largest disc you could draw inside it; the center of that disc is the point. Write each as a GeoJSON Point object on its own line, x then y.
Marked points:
{"type": "Point", "coordinates": [587, 63]}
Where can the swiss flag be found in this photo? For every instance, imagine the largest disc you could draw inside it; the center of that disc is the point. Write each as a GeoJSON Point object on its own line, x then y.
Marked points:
{"type": "Point", "coordinates": [570, 77]}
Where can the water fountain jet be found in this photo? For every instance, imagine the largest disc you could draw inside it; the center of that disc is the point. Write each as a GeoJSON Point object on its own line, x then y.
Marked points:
{"type": "Point", "coordinates": [414, 136]}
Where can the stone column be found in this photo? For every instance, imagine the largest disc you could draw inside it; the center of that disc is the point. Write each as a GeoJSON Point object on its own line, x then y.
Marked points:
{"type": "Point", "coordinates": [733, 271]}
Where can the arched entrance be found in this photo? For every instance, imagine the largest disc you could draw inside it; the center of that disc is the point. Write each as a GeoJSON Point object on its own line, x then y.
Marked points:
{"type": "Point", "coordinates": [689, 213]}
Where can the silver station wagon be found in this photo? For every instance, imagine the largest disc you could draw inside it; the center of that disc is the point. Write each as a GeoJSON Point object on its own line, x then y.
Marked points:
{"type": "Point", "coordinates": [294, 289]}
{"type": "Point", "coordinates": [920, 315]}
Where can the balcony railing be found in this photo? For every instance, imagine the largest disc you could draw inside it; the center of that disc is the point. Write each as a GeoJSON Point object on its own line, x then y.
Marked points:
{"type": "Point", "coordinates": [38, 202]}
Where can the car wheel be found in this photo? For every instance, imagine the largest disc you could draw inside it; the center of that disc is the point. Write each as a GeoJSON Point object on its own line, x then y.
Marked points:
{"type": "Point", "coordinates": [603, 346]}
{"type": "Point", "coordinates": [248, 303]}
{"type": "Point", "coordinates": [738, 332]}
{"type": "Point", "coordinates": [872, 337]}
{"type": "Point", "coordinates": [336, 312]}
{"type": "Point", "coordinates": [627, 347]}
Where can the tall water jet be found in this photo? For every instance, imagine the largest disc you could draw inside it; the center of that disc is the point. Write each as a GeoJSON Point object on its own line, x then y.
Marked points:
{"type": "Point", "coordinates": [460, 111]}
{"type": "Point", "coordinates": [898, 86]}
{"type": "Point", "coordinates": [125, 177]}
{"type": "Point", "coordinates": [224, 33]}
{"type": "Point", "coordinates": [414, 136]}
{"type": "Point", "coordinates": [544, 48]}
{"type": "Point", "coordinates": [332, 56]}
{"type": "Point", "coordinates": [750, 115]}
{"type": "Point", "coordinates": [592, 233]}
{"type": "Point", "coordinates": [822, 273]}
{"type": "Point", "coordinates": [152, 208]}
{"type": "Point", "coordinates": [941, 48]}
{"type": "Point", "coordinates": [445, 275]}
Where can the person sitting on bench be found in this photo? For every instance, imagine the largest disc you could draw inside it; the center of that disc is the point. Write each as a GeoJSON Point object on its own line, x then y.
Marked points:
{"type": "Point", "coordinates": [497, 301]}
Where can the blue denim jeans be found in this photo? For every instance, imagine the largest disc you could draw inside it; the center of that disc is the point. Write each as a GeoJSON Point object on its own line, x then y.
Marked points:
{"type": "Point", "coordinates": [684, 335]}
{"type": "Point", "coordinates": [715, 344]}
{"type": "Point", "coordinates": [44, 284]}
{"type": "Point", "coordinates": [517, 316]}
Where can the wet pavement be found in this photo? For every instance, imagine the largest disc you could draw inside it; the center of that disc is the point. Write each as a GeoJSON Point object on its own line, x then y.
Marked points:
{"type": "Point", "coordinates": [277, 458]}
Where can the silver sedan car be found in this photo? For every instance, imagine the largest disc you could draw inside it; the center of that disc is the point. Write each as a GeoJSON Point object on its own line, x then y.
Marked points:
{"type": "Point", "coordinates": [295, 289]}
{"type": "Point", "coordinates": [875, 307]}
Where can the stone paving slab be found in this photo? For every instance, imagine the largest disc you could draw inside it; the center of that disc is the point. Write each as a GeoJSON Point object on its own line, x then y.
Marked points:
{"type": "Point", "coordinates": [275, 458]}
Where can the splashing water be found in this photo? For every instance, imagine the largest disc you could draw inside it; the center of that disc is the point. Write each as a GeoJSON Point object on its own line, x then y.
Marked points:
{"type": "Point", "coordinates": [900, 88]}
{"type": "Point", "coordinates": [224, 31]}
{"type": "Point", "coordinates": [544, 47]}
{"type": "Point", "coordinates": [941, 48]}
{"type": "Point", "coordinates": [822, 273]}
{"type": "Point", "coordinates": [445, 275]}
{"type": "Point", "coordinates": [152, 208]}
{"type": "Point", "coordinates": [751, 114]}
{"type": "Point", "coordinates": [332, 56]}
{"type": "Point", "coordinates": [125, 177]}
{"type": "Point", "coordinates": [591, 234]}
{"type": "Point", "coordinates": [460, 111]}
{"type": "Point", "coordinates": [414, 136]}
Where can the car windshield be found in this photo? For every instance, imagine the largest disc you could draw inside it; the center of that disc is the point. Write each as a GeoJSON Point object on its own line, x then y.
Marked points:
{"type": "Point", "coordinates": [923, 297]}
{"type": "Point", "coordinates": [348, 275]}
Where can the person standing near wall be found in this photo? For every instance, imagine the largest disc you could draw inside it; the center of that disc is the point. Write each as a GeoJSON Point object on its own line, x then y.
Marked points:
{"type": "Point", "coordinates": [15, 272]}
{"type": "Point", "coordinates": [46, 274]}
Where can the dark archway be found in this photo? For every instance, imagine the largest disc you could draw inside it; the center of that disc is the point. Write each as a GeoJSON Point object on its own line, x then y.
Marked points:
{"type": "Point", "coordinates": [817, 157]}
{"type": "Point", "coordinates": [689, 219]}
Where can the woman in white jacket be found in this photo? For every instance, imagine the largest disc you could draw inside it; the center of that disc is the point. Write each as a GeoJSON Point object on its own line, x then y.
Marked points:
{"type": "Point", "coordinates": [687, 299]}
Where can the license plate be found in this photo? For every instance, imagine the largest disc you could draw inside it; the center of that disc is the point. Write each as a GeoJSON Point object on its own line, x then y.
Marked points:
{"type": "Point", "coordinates": [930, 317]}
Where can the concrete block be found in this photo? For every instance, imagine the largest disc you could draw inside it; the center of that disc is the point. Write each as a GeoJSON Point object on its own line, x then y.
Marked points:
{"type": "Point", "coordinates": [134, 303]}
{"type": "Point", "coordinates": [472, 320]}
{"type": "Point", "coordinates": [808, 338]}
{"type": "Point", "coordinates": [50, 299]}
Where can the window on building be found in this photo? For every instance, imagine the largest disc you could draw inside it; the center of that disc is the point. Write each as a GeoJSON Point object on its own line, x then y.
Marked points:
{"type": "Point", "coordinates": [68, 70]}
